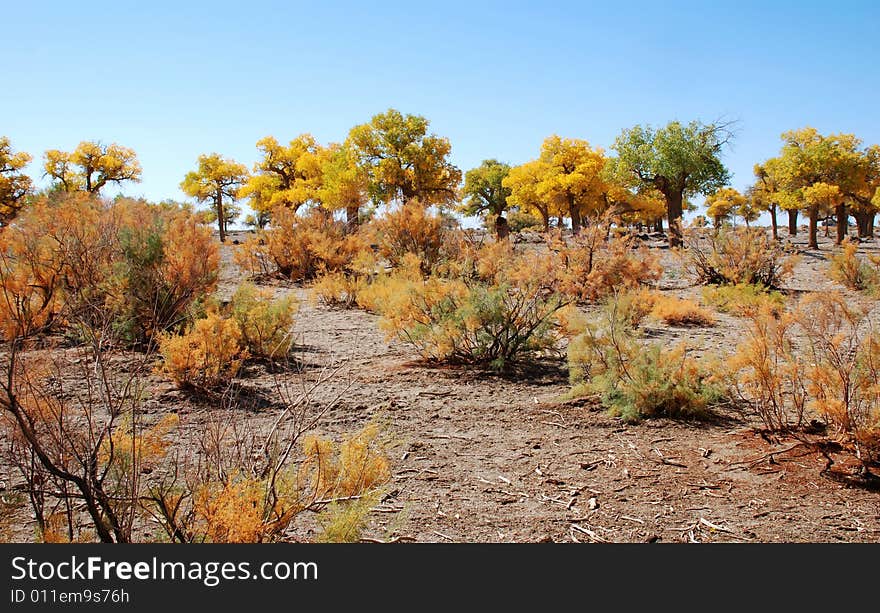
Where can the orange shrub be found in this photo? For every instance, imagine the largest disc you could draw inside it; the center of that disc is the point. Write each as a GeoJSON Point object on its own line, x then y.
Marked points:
{"type": "Point", "coordinates": [766, 372]}
{"type": "Point", "coordinates": [206, 357]}
{"type": "Point", "coordinates": [744, 255]}
{"type": "Point", "coordinates": [412, 229]}
{"type": "Point", "coordinates": [300, 247]}
{"type": "Point", "coordinates": [851, 270]}
{"type": "Point", "coordinates": [266, 324]}
{"type": "Point", "coordinates": [591, 266]}
{"type": "Point", "coordinates": [678, 312]}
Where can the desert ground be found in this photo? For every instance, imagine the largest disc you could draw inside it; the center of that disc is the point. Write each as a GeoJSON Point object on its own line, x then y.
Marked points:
{"type": "Point", "coordinates": [484, 457]}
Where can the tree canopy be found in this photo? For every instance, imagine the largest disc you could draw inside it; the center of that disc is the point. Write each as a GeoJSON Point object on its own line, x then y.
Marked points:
{"type": "Point", "coordinates": [679, 161]}
{"type": "Point", "coordinates": [403, 162]}
{"type": "Point", "coordinates": [217, 180]}
{"type": "Point", "coordinates": [91, 166]}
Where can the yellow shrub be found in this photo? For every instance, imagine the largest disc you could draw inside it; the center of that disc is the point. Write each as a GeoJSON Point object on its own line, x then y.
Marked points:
{"type": "Point", "coordinates": [678, 312]}
{"type": "Point", "coordinates": [744, 255]}
{"type": "Point", "coordinates": [852, 271]}
{"type": "Point", "coordinates": [207, 356]}
{"type": "Point", "coordinates": [265, 323]}
{"type": "Point", "coordinates": [411, 229]}
{"type": "Point", "coordinates": [744, 300]}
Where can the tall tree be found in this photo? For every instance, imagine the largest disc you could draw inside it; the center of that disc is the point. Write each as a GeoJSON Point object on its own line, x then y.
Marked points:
{"type": "Point", "coordinates": [404, 162]}
{"type": "Point", "coordinates": [484, 191]}
{"type": "Point", "coordinates": [287, 176]}
{"type": "Point", "coordinates": [217, 180]}
{"type": "Point", "coordinates": [14, 184]}
{"type": "Point", "coordinates": [522, 181]}
{"type": "Point", "coordinates": [91, 166]}
{"type": "Point", "coordinates": [345, 184]}
{"type": "Point", "coordinates": [678, 160]}
{"type": "Point", "coordinates": [815, 173]}
{"type": "Point", "coordinates": [573, 179]}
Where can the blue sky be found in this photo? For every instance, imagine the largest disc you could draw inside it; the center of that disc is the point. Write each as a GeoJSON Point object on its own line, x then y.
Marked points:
{"type": "Point", "coordinates": [176, 79]}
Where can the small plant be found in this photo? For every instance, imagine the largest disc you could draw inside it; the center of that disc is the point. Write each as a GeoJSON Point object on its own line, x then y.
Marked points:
{"type": "Point", "coordinates": [679, 312]}
{"type": "Point", "coordinates": [635, 381]}
{"type": "Point", "coordinates": [744, 255]}
{"type": "Point", "coordinates": [265, 323]}
{"type": "Point", "coordinates": [766, 372]}
{"type": "Point", "coordinates": [852, 271]}
{"type": "Point", "coordinates": [206, 357]}
{"type": "Point", "coordinates": [744, 299]}
{"type": "Point", "coordinates": [844, 370]}
{"type": "Point", "coordinates": [592, 266]}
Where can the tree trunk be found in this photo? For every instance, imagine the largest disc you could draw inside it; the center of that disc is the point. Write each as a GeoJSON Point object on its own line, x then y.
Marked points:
{"type": "Point", "coordinates": [658, 225]}
{"type": "Point", "coordinates": [351, 217]}
{"type": "Point", "coordinates": [792, 222]}
{"type": "Point", "coordinates": [814, 228]}
{"type": "Point", "coordinates": [221, 217]}
{"type": "Point", "coordinates": [502, 229]}
{"type": "Point", "coordinates": [545, 217]}
{"type": "Point", "coordinates": [842, 222]}
{"type": "Point", "coordinates": [864, 223]}
{"type": "Point", "coordinates": [773, 223]}
{"type": "Point", "coordinates": [575, 217]}
{"type": "Point", "coordinates": [674, 213]}
{"type": "Point", "coordinates": [717, 222]}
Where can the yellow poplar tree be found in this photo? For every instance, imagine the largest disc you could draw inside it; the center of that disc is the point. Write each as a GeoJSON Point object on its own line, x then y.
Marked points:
{"type": "Point", "coordinates": [573, 178]}
{"type": "Point", "coordinates": [14, 184]}
{"type": "Point", "coordinates": [217, 180]}
{"type": "Point", "coordinates": [287, 176]}
{"type": "Point", "coordinates": [522, 181]}
{"type": "Point", "coordinates": [403, 162]}
{"type": "Point", "coordinates": [345, 185]}
{"type": "Point", "coordinates": [91, 166]}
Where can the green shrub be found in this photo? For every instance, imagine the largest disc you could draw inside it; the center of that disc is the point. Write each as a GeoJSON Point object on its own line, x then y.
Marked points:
{"type": "Point", "coordinates": [265, 323]}
{"type": "Point", "coordinates": [637, 381]}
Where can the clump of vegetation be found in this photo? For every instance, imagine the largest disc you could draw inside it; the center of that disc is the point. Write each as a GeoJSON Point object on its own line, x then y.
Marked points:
{"type": "Point", "coordinates": [744, 299]}
{"type": "Point", "coordinates": [503, 309]}
{"type": "Point", "coordinates": [766, 371]}
{"type": "Point", "coordinates": [412, 229]}
{"type": "Point", "coordinates": [743, 255]}
{"type": "Point", "coordinates": [300, 247]}
{"type": "Point", "coordinates": [854, 272]}
{"type": "Point", "coordinates": [680, 312]}
{"type": "Point", "coordinates": [592, 265]}
{"type": "Point", "coordinates": [834, 375]}
{"type": "Point", "coordinates": [637, 381]}
{"type": "Point", "coordinates": [265, 323]}
{"type": "Point", "coordinates": [206, 357]}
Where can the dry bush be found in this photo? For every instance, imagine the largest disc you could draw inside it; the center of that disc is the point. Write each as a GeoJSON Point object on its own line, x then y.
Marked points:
{"type": "Point", "coordinates": [744, 255]}
{"type": "Point", "coordinates": [266, 324]}
{"type": "Point", "coordinates": [592, 265]}
{"type": "Point", "coordinates": [74, 432]}
{"type": "Point", "coordinates": [676, 311]}
{"type": "Point", "coordinates": [206, 357]}
{"type": "Point", "coordinates": [138, 266]}
{"type": "Point", "coordinates": [412, 229]}
{"type": "Point", "coordinates": [843, 370]}
{"type": "Point", "coordinates": [744, 299]}
{"type": "Point", "coordinates": [491, 319]}
{"type": "Point", "coordinates": [338, 289]}
{"type": "Point", "coordinates": [344, 289]}
{"type": "Point", "coordinates": [766, 371]}
{"type": "Point", "coordinates": [637, 381]}
{"type": "Point", "coordinates": [852, 271]}
{"type": "Point", "coordinates": [300, 247]}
